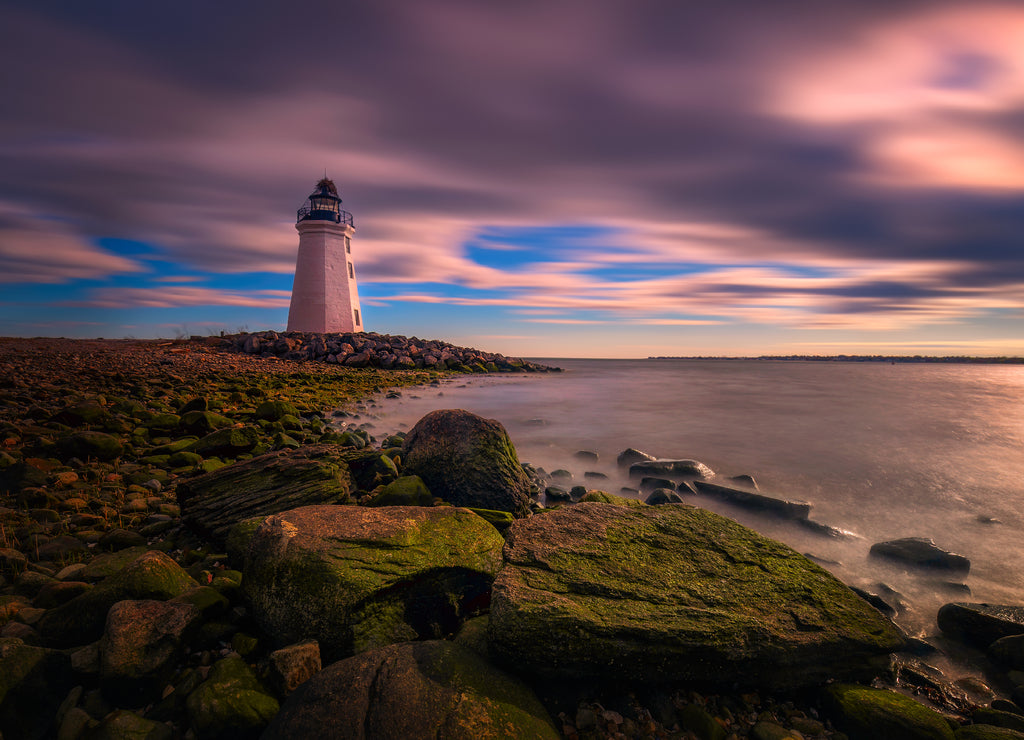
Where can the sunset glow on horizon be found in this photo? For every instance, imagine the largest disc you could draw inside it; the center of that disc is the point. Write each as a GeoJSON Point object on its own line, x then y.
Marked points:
{"type": "Point", "coordinates": [580, 179]}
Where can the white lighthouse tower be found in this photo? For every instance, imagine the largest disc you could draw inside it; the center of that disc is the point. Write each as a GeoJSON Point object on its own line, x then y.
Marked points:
{"type": "Point", "coordinates": [324, 295]}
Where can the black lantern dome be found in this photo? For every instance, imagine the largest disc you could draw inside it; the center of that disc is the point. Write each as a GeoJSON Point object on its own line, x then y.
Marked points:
{"type": "Point", "coordinates": [324, 205]}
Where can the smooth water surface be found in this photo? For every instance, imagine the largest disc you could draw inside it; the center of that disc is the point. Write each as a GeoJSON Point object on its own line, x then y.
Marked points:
{"type": "Point", "coordinates": [882, 450]}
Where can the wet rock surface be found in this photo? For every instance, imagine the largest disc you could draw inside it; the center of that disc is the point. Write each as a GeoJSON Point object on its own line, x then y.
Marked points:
{"type": "Point", "coordinates": [677, 593]}
{"type": "Point", "coordinates": [356, 578]}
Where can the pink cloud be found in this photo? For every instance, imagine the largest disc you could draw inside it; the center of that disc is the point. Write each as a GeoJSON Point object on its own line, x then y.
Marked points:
{"type": "Point", "coordinates": [175, 296]}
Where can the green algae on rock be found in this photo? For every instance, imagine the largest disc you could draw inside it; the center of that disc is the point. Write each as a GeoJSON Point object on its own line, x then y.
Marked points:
{"type": "Point", "coordinates": [231, 703]}
{"type": "Point", "coordinates": [871, 714]}
{"type": "Point", "coordinates": [674, 593]}
{"type": "Point", "coordinates": [81, 620]}
{"type": "Point", "coordinates": [467, 461]}
{"type": "Point", "coordinates": [356, 578]}
{"type": "Point", "coordinates": [457, 695]}
{"type": "Point", "coordinates": [213, 503]}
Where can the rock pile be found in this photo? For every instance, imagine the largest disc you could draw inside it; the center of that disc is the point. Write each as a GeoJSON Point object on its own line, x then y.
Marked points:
{"type": "Point", "coordinates": [369, 349]}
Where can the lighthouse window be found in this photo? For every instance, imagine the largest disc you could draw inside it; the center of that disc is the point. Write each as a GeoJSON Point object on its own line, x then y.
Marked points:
{"type": "Point", "coordinates": [348, 245]}
{"type": "Point", "coordinates": [356, 311]}
{"type": "Point", "coordinates": [351, 272]}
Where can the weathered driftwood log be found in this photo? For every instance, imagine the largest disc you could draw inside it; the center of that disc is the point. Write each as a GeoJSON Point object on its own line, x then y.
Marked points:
{"type": "Point", "coordinates": [278, 481]}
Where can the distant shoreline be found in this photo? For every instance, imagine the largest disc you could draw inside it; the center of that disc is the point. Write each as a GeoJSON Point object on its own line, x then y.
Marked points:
{"type": "Point", "coordinates": [958, 359]}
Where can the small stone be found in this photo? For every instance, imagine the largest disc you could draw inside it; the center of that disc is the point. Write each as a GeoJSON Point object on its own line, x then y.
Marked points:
{"type": "Point", "coordinates": [293, 665]}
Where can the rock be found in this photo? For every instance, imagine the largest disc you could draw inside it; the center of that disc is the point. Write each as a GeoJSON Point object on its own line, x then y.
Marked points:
{"type": "Point", "coordinates": [79, 621]}
{"type": "Point", "coordinates": [649, 484]}
{"type": "Point", "coordinates": [203, 422]}
{"type": "Point", "coordinates": [500, 520]}
{"type": "Point", "coordinates": [354, 578]}
{"type": "Point", "coordinates": [603, 497]}
{"type": "Point", "coordinates": [120, 539]}
{"type": "Point", "coordinates": [556, 494]}
{"type": "Point", "coordinates": [1008, 652]}
{"type": "Point", "coordinates": [409, 490]}
{"type": "Point", "coordinates": [922, 552]}
{"type": "Point", "coordinates": [275, 410]}
{"type": "Point", "coordinates": [33, 683]}
{"type": "Point", "coordinates": [661, 496]}
{"type": "Point", "coordinates": [212, 503]}
{"type": "Point", "coordinates": [59, 592]}
{"type": "Point", "coordinates": [757, 501]}
{"type": "Point", "coordinates": [630, 455]}
{"type": "Point", "coordinates": [61, 547]}
{"type": "Point", "coordinates": [12, 562]}
{"type": "Point", "coordinates": [869, 714]}
{"type": "Point", "coordinates": [293, 665]}
{"type": "Point", "coordinates": [141, 646]}
{"type": "Point", "coordinates": [674, 593]}
{"type": "Point", "coordinates": [412, 690]}
{"type": "Point", "coordinates": [468, 461]}
{"type": "Point", "coordinates": [124, 725]}
{"type": "Point", "coordinates": [82, 413]}
{"type": "Point", "coordinates": [90, 445]}
{"type": "Point", "coordinates": [700, 721]}
{"type": "Point", "coordinates": [229, 442]}
{"type": "Point", "coordinates": [198, 403]}
{"type": "Point", "coordinates": [997, 718]}
{"type": "Point", "coordinates": [980, 624]}
{"type": "Point", "coordinates": [231, 703]}
{"type": "Point", "coordinates": [987, 732]}
{"type": "Point", "coordinates": [674, 469]}
{"type": "Point", "coordinates": [586, 455]}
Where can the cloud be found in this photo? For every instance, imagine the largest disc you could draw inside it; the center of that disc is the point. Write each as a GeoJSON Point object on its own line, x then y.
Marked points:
{"type": "Point", "coordinates": [803, 165]}
{"type": "Point", "coordinates": [175, 296]}
{"type": "Point", "coordinates": [34, 249]}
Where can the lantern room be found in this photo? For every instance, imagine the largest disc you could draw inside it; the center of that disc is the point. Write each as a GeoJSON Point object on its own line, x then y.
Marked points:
{"type": "Point", "coordinates": [324, 204]}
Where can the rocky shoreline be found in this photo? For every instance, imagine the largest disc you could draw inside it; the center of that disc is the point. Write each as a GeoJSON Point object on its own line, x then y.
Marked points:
{"type": "Point", "coordinates": [190, 547]}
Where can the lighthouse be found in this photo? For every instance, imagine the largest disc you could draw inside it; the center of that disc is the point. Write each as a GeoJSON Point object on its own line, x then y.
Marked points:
{"type": "Point", "coordinates": [324, 295]}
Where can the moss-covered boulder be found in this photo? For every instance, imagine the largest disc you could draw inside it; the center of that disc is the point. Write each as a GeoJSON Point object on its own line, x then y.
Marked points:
{"type": "Point", "coordinates": [82, 619]}
{"type": "Point", "coordinates": [275, 410]}
{"type": "Point", "coordinates": [230, 442]}
{"type": "Point", "coordinates": [468, 461]}
{"type": "Point", "coordinates": [203, 422]}
{"type": "Point", "coordinates": [231, 703]}
{"type": "Point", "coordinates": [90, 445]}
{"type": "Point", "coordinates": [865, 713]}
{"type": "Point", "coordinates": [409, 490]}
{"type": "Point", "coordinates": [412, 690]}
{"type": "Point", "coordinates": [355, 578]}
{"type": "Point", "coordinates": [674, 593]}
{"type": "Point", "coordinates": [212, 503]}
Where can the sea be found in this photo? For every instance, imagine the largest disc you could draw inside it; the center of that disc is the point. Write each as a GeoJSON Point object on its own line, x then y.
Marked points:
{"type": "Point", "coordinates": [883, 451]}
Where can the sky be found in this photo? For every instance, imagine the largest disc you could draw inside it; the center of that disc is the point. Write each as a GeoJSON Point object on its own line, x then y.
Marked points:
{"type": "Point", "coordinates": [579, 178]}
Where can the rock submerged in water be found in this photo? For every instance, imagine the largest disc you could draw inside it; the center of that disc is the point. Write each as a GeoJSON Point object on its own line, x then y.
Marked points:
{"type": "Point", "coordinates": [980, 625]}
{"type": "Point", "coordinates": [923, 553]}
{"type": "Point", "coordinates": [674, 593]}
{"type": "Point", "coordinates": [412, 690]}
{"type": "Point", "coordinates": [467, 460]}
{"type": "Point", "coordinates": [674, 469]}
{"type": "Point", "coordinates": [355, 578]}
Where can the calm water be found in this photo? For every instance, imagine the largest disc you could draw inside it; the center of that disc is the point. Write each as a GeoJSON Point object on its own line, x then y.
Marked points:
{"type": "Point", "coordinates": [885, 451]}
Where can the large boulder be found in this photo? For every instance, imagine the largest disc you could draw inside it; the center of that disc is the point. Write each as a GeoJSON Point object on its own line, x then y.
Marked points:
{"type": "Point", "coordinates": [82, 619]}
{"type": "Point", "coordinates": [468, 461]}
{"type": "Point", "coordinates": [674, 593]}
{"type": "Point", "coordinates": [354, 578]}
{"type": "Point", "coordinates": [213, 503]}
{"type": "Point", "coordinates": [423, 689]}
